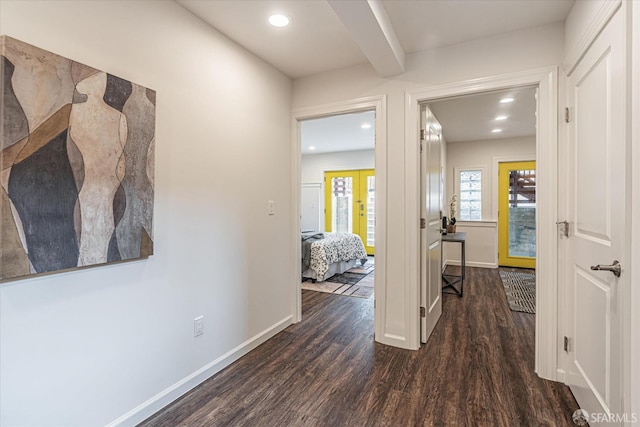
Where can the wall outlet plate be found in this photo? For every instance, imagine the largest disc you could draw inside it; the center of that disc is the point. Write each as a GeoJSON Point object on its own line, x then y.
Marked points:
{"type": "Point", "coordinates": [198, 326]}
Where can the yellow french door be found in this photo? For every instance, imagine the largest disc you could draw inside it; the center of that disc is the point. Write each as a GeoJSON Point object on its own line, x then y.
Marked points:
{"type": "Point", "coordinates": [517, 214]}
{"type": "Point", "coordinates": [350, 204]}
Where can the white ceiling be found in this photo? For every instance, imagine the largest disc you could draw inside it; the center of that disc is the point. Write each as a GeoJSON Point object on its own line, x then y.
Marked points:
{"type": "Point", "coordinates": [427, 24]}
{"type": "Point", "coordinates": [472, 118]}
{"type": "Point", "coordinates": [318, 39]}
{"type": "Point", "coordinates": [338, 133]}
{"type": "Point", "coordinates": [467, 118]}
{"type": "Point", "coordinates": [315, 41]}
{"type": "Point", "coordinates": [332, 34]}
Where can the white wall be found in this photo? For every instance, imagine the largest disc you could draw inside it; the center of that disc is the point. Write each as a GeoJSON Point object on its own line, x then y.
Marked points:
{"type": "Point", "coordinates": [312, 169]}
{"type": "Point", "coordinates": [85, 347]}
{"type": "Point", "coordinates": [505, 53]}
{"type": "Point", "coordinates": [314, 166]}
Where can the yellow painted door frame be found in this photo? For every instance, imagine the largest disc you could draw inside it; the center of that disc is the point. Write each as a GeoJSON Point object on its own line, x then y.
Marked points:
{"type": "Point", "coordinates": [505, 258]}
{"type": "Point", "coordinates": [362, 216]}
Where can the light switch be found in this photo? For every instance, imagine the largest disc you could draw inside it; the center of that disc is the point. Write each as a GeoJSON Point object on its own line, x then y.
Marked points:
{"type": "Point", "coordinates": [271, 207]}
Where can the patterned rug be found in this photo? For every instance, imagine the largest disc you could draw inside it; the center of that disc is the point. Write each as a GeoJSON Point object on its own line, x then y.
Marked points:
{"type": "Point", "coordinates": [356, 282]}
{"type": "Point", "coordinates": [520, 289]}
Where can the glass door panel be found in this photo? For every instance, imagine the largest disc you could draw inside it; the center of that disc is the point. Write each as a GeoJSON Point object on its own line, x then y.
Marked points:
{"type": "Point", "coordinates": [342, 204]}
{"type": "Point", "coordinates": [367, 209]}
{"type": "Point", "coordinates": [522, 213]}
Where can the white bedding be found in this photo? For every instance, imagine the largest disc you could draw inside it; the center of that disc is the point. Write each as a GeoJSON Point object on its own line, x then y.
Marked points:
{"type": "Point", "coordinates": [335, 248]}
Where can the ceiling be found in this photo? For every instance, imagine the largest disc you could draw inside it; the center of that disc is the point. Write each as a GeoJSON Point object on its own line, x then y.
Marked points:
{"type": "Point", "coordinates": [328, 34]}
{"type": "Point", "coordinates": [314, 42]}
{"type": "Point", "coordinates": [343, 132]}
{"type": "Point", "coordinates": [332, 34]}
{"type": "Point", "coordinates": [472, 118]}
{"type": "Point", "coordinates": [463, 119]}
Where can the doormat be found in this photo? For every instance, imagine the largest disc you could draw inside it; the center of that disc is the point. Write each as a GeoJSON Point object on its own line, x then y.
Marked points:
{"type": "Point", "coordinates": [520, 289]}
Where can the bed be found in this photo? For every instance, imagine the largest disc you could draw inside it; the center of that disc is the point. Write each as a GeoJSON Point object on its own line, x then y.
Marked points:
{"type": "Point", "coordinates": [327, 254]}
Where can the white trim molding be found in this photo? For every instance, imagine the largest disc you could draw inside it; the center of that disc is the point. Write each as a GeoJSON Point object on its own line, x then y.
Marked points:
{"type": "Point", "coordinates": [546, 80]}
{"type": "Point", "coordinates": [632, 308]}
{"type": "Point", "coordinates": [377, 104]}
{"type": "Point", "coordinates": [180, 388]}
{"type": "Point", "coordinates": [606, 11]}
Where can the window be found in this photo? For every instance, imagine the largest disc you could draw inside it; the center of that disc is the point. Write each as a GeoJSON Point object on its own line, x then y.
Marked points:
{"type": "Point", "coordinates": [470, 192]}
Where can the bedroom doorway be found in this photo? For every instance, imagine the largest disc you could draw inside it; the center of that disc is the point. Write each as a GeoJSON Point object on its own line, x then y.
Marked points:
{"type": "Point", "coordinates": [338, 227]}
{"type": "Point", "coordinates": [350, 204]}
{"type": "Point", "coordinates": [376, 157]}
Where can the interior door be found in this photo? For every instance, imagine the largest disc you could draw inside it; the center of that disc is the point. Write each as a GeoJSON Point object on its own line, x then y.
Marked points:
{"type": "Point", "coordinates": [350, 204]}
{"type": "Point", "coordinates": [517, 214]}
{"type": "Point", "coordinates": [596, 217]}
{"type": "Point", "coordinates": [310, 202]}
{"type": "Point", "coordinates": [430, 236]}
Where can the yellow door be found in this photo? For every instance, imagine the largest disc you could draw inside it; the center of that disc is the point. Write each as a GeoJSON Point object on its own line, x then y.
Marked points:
{"type": "Point", "coordinates": [350, 204]}
{"type": "Point", "coordinates": [517, 214]}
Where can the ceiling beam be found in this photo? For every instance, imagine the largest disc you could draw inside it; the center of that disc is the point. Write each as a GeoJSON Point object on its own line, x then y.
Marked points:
{"type": "Point", "coordinates": [369, 25]}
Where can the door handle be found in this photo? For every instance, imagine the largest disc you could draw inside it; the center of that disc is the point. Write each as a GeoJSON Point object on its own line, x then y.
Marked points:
{"type": "Point", "coordinates": [615, 268]}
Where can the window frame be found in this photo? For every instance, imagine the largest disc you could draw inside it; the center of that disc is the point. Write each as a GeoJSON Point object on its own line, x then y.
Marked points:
{"type": "Point", "coordinates": [483, 193]}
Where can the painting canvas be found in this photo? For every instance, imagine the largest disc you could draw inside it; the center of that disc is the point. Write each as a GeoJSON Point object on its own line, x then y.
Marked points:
{"type": "Point", "coordinates": [77, 164]}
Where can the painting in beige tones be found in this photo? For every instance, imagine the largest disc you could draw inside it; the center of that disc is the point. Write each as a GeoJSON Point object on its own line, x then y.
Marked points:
{"type": "Point", "coordinates": [77, 164]}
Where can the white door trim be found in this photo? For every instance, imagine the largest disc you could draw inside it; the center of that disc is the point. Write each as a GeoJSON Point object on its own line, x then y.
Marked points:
{"type": "Point", "coordinates": [632, 310]}
{"type": "Point", "coordinates": [378, 104]}
{"type": "Point", "coordinates": [546, 79]}
{"type": "Point", "coordinates": [606, 10]}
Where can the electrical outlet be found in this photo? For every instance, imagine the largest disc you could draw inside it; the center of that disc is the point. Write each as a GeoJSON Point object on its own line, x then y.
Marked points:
{"type": "Point", "coordinates": [198, 326]}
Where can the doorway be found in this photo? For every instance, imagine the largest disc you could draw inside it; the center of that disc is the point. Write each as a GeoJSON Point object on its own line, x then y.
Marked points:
{"type": "Point", "coordinates": [517, 214]}
{"type": "Point", "coordinates": [350, 204]}
{"type": "Point", "coordinates": [545, 80]}
{"type": "Point", "coordinates": [377, 107]}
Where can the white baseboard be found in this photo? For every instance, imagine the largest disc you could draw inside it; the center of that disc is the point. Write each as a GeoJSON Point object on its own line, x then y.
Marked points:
{"type": "Point", "coordinates": [561, 376]}
{"type": "Point", "coordinates": [471, 264]}
{"type": "Point", "coordinates": [165, 397]}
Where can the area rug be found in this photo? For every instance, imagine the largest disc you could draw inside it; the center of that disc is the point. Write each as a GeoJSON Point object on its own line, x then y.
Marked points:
{"type": "Point", "coordinates": [357, 282]}
{"type": "Point", "coordinates": [520, 288]}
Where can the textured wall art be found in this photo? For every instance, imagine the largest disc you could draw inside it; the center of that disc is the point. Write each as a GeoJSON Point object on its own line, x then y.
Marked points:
{"type": "Point", "coordinates": [77, 164]}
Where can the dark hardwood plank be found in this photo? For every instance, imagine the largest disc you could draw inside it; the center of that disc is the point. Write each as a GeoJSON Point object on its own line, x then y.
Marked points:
{"type": "Point", "coordinates": [477, 369]}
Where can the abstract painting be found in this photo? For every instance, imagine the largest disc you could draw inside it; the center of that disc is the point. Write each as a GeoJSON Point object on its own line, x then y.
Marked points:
{"type": "Point", "coordinates": [77, 164]}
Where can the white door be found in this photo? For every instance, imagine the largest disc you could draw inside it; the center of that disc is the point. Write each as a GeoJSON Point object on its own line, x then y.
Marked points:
{"type": "Point", "coordinates": [430, 237]}
{"type": "Point", "coordinates": [310, 200]}
{"type": "Point", "coordinates": [596, 207]}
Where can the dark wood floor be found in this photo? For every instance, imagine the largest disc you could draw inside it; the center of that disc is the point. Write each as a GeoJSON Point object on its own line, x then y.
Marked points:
{"type": "Point", "coordinates": [476, 370]}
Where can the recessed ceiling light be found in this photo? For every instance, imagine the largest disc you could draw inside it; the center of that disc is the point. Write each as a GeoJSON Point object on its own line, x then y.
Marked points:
{"type": "Point", "coordinates": [501, 118]}
{"type": "Point", "coordinates": [496, 130]}
{"type": "Point", "coordinates": [279, 20]}
{"type": "Point", "coordinates": [312, 148]}
{"type": "Point", "coordinates": [506, 100]}
{"type": "Point", "coordinates": [366, 126]}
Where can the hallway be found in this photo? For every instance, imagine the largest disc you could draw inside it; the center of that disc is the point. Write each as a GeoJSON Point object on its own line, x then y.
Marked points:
{"type": "Point", "coordinates": [477, 369]}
